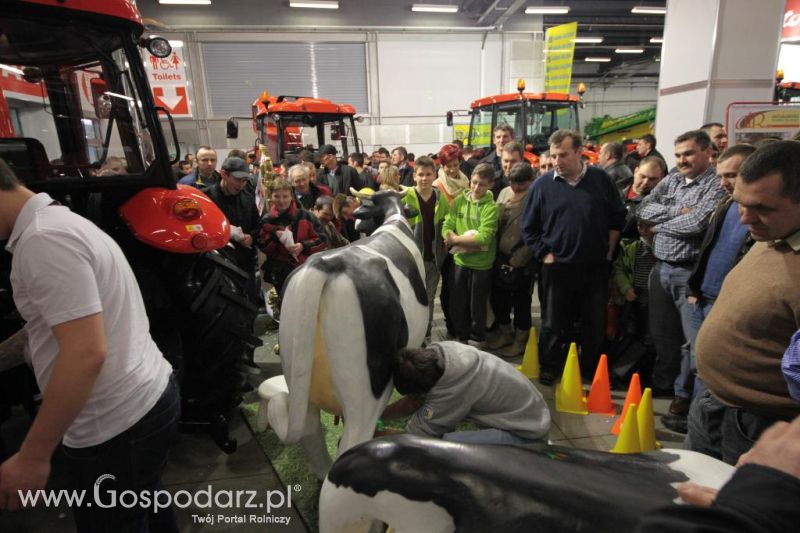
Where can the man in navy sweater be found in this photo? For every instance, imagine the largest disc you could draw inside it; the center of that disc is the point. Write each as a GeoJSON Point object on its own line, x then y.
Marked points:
{"type": "Point", "coordinates": [572, 221]}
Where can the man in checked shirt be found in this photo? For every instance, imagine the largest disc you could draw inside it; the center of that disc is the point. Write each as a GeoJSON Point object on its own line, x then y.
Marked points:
{"type": "Point", "coordinates": [678, 210]}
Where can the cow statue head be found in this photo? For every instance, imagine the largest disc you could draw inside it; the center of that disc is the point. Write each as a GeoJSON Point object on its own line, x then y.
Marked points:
{"type": "Point", "coordinates": [377, 208]}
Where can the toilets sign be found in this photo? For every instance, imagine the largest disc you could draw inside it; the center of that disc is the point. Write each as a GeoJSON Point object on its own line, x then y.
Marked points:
{"type": "Point", "coordinates": [168, 79]}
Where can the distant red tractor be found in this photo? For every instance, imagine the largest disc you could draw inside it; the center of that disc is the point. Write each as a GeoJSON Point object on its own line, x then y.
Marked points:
{"type": "Point", "coordinates": [287, 125]}
{"type": "Point", "coordinates": [74, 95]}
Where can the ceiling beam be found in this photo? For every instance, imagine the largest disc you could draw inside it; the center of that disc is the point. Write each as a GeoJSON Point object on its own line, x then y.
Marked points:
{"type": "Point", "coordinates": [512, 9]}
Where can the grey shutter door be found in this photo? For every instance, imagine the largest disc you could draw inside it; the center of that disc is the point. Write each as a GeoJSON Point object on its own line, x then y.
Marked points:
{"type": "Point", "coordinates": [236, 73]}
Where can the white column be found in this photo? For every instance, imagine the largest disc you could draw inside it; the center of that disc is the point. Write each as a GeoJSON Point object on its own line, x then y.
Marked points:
{"type": "Point", "coordinates": [715, 52]}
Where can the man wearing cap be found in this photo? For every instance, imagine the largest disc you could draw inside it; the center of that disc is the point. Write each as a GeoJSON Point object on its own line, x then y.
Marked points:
{"type": "Point", "coordinates": [237, 201]}
{"type": "Point", "coordinates": [339, 178]}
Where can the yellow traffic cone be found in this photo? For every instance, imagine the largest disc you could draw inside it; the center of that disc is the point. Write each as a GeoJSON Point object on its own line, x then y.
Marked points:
{"type": "Point", "coordinates": [645, 420]}
{"type": "Point", "coordinates": [530, 361]}
{"type": "Point", "coordinates": [628, 440]}
{"type": "Point", "coordinates": [569, 393]}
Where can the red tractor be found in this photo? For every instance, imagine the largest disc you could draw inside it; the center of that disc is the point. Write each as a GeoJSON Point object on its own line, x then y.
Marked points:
{"type": "Point", "coordinates": [74, 98]}
{"type": "Point", "coordinates": [533, 116]}
{"type": "Point", "coordinates": [289, 124]}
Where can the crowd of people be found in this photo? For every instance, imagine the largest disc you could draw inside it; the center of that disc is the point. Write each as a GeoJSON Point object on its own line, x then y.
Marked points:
{"type": "Point", "coordinates": [629, 257]}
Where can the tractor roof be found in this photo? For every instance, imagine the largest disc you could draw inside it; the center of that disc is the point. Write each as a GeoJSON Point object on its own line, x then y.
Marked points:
{"type": "Point", "coordinates": [510, 97]}
{"type": "Point", "coordinates": [122, 9]}
{"type": "Point", "coordinates": [302, 104]}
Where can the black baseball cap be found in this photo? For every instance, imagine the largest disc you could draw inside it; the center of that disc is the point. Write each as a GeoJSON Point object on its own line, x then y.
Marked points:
{"type": "Point", "coordinates": [236, 167]}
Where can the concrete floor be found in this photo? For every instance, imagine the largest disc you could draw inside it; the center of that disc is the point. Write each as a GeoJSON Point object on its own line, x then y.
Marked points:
{"type": "Point", "coordinates": [196, 463]}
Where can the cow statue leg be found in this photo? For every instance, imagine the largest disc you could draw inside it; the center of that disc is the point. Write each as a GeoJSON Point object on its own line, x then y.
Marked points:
{"type": "Point", "coordinates": [344, 339]}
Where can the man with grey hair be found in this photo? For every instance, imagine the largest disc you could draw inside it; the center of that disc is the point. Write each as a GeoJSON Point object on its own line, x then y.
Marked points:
{"type": "Point", "coordinates": [571, 222]}
{"type": "Point", "coordinates": [611, 160]}
{"type": "Point", "coordinates": [306, 191]}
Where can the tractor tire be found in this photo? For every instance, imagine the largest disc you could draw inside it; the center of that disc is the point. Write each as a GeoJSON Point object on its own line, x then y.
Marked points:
{"type": "Point", "coordinates": [216, 335]}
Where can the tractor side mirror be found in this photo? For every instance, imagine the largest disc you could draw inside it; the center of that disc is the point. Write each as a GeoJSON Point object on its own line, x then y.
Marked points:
{"type": "Point", "coordinates": [232, 129]}
{"type": "Point", "coordinates": [449, 118]}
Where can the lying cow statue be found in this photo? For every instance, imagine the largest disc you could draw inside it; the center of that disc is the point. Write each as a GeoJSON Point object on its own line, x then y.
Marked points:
{"type": "Point", "coordinates": [424, 485]}
{"type": "Point", "coordinates": [345, 313]}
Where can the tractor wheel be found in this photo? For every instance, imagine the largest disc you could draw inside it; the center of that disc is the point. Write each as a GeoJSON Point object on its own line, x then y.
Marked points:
{"type": "Point", "coordinates": [216, 335]}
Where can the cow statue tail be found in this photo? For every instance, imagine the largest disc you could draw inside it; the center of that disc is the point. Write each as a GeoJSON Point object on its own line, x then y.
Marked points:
{"type": "Point", "coordinates": [289, 413]}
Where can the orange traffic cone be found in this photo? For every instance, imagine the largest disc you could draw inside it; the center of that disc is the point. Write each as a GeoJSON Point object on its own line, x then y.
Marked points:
{"type": "Point", "coordinates": [646, 422]}
{"type": "Point", "coordinates": [634, 396]}
{"type": "Point", "coordinates": [628, 441]}
{"type": "Point", "coordinates": [569, 393]}
{"type": "Point", "coordinates": [530, 361]}
{"type": "Point", "coordinates": [599, 401]}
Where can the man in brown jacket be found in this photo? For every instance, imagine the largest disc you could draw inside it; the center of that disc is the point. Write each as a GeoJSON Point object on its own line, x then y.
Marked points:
{"type": "Point", "coordinates": [740, 344]}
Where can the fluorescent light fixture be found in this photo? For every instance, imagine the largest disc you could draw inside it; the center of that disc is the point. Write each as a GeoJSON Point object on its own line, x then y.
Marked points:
{"type": "Point", "coordinates": [13, 70]}
{"type": "Point", "coordinates": [598, 59]}
{"type": "Point", "coordinates": [649, 10]}
{"type": "Point", "coordinates": [176, 44]}
{"type": "Point", "coordinates": [186, 2]}
{"type": "Point", "coordinates": [588, 40]}
{"type": "Point", "coordinates": [315, 4]}
{"type": "Point", "coordinates": [629, 51]}
{"type": "Point", "coordinates": [547, 10]}
{"type": "Point", "coordinates": [656, 40]}
{"type": "Point", "coordinates": [434, 8]}
{"type": "Point", "coordinates": [117, 95]}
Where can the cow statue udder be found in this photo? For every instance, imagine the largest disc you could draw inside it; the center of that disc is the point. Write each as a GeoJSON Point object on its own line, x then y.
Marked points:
{"type": "Point", "coordinates": [345, 313]}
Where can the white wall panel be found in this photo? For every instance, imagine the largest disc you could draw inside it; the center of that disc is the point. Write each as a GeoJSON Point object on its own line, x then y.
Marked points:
{"type": "Point", "coordinates": [425, 75]}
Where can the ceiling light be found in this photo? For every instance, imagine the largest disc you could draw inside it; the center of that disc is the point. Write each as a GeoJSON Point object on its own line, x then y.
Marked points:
{"type": "Point", "coordinates": [13, 70]}
{"type": "Point", "coordinates": [176, 44]}
{"type": "Point", "coordinates": [315, 4]}
{"type": "Point", "coordinates": [186, 2]}
{"type": "Point", "coordinates": [598, 59]}
{"type": "Point", "coordinates": [547, 10]}
{"type": "Point", "coordinates": [588, 40]}
{"type": "Point", "coordinates": [649, 10]}
{"type": "Point", "coordinates": [629, 51]}
{"type": "Point", "coordinates": [434, 8]}
{"type": "Point", "coordinates": [656, 40]}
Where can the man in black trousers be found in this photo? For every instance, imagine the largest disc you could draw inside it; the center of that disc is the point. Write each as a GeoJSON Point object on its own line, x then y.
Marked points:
{"type": "Point", "coordinates": [572, 221]}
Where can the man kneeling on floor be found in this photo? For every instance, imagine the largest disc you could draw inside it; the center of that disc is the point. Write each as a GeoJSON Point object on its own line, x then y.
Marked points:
{"type": "Point", "coordinates": [449, 382]}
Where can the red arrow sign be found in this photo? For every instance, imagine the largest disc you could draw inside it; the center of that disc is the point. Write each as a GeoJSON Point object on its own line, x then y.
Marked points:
{"type": "Point", "coordinates": [174, 99]}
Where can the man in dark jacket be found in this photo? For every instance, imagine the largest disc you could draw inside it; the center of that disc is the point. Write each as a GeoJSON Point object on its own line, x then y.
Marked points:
{"type": "Point", "coordinates": [501, 135]}
{"type": "Point", "coordinates": [611, 160]}
{"type": "Point", "coordinates": [645, 147]}
{"type": "Point", "coordinates": [338, 177]}
{"type": "Point", "coordinates": [646, 176]}
{"type": "Point", "coordinates": [571, 222]}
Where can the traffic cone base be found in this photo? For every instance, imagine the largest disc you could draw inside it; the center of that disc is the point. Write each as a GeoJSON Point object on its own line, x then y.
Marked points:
{"type": "Point", "coordinates": [634, 396]}
{"type": "Point", "coordinates": [599, 401]}
{"type": "Point", "coordinates": [628, 440]}
{"type": "Point", "coordinates": [645, 420]}
{"type": "Point", "coordinates": [569, 393]}
{"type": "Point", "coordinates": [530, 361]}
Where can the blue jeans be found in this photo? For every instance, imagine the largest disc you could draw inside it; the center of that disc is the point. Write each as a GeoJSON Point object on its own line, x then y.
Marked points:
{"type": "Point", "coordinates": [136, 458]}
{"type": "Point", "coordinates": [670, 319]}
{"type": "Point", "coordinates": [722, 431]}
{"type": "Point", "coordinates": [487, 436]}
{"type": "Point", "coordinates": [700, 311]}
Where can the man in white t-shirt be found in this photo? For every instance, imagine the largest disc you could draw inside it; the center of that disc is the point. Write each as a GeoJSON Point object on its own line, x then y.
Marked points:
{"type": "Point", "coordinates": [108, 396]}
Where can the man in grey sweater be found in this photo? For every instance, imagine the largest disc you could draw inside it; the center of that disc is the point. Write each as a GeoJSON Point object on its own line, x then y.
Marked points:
{"type": "Point", "coordinates": [449, 382]}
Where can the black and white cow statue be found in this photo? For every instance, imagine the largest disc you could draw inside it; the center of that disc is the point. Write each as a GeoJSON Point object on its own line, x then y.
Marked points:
{"type": "Point", "coordinates": [345, 313]}
{"type": "Point", "coordinates": [424, 485]}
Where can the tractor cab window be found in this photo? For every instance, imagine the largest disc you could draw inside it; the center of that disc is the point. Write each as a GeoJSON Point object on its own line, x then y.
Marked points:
{"type": "Point", "coordinates": [481, 127]}
{"type": "Point", "coordinates": [544, 118]}
{"type": "Point", "coordinates": [289, 134]}
{"type": "Point", "coordinates": [79, 114]}
{"type": "Point", "coordinates": [510, 114]}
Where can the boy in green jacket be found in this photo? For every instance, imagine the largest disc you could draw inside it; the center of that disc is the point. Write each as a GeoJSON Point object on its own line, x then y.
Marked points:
{"type": "Point", "coordinates": [430, 207]}
{"type": "Point", "coordinates": [469, 232]}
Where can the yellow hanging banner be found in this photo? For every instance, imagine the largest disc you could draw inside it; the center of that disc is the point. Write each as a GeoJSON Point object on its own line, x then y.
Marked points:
{"type": "Point", "coordinates": [559, 52]}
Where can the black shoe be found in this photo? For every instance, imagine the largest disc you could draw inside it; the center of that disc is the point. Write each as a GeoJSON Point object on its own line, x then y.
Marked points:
{"type": "Point", "coordinates": [678, 424]}
{"type": "Point", "coordinates": [547, 378]}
